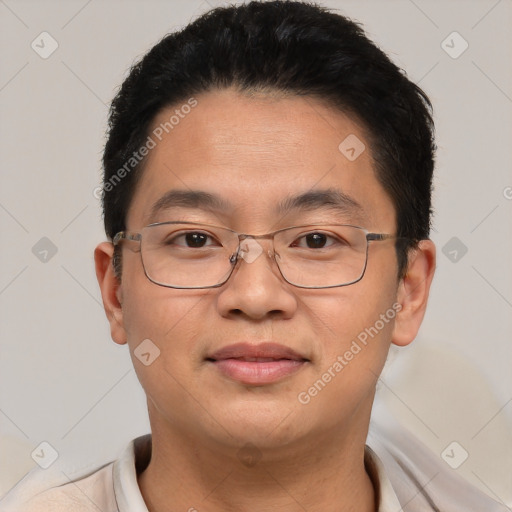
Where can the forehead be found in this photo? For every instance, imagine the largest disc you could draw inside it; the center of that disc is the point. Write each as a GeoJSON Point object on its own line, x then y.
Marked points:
{"type": "Point", "coordinates": [257, 153]}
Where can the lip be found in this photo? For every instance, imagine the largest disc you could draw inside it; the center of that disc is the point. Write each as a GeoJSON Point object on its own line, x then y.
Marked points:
{"type": "Point", "coordinates": [259, 364]}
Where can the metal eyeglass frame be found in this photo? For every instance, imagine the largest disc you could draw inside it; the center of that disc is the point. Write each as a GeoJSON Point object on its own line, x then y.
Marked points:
{"type": "Point", "coordinates": [235, 257]}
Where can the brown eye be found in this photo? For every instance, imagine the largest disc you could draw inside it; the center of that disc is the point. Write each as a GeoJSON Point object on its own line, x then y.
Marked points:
{"type": "Point", "coordinates": [192, 240]}
{"type": "Point", "coordinates": [315, 240]}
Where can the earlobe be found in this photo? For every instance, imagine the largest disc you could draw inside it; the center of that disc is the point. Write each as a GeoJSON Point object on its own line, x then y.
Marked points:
{"type": "Point", "coordinates": [111, 291]}
{"type": "Point", "coordinates": [413, 292]}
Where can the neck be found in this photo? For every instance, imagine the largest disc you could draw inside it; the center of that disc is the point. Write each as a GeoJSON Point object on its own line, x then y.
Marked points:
{"type": "Point", "coordinates": [324, 473]}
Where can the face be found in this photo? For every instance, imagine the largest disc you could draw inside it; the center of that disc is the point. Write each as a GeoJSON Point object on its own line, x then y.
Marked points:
{"type": "Point", "coordinates": [253, 153]}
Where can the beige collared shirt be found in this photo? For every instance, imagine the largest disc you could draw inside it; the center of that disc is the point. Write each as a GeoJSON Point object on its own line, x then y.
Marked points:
{"type": "Point", "coordinates": [113, 487]}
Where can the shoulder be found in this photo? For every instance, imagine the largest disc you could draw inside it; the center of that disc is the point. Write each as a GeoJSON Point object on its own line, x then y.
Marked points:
{"type": "Point", "coordinates": [59, 490]}
{"type": "Point", "coordinates": [420, 480]}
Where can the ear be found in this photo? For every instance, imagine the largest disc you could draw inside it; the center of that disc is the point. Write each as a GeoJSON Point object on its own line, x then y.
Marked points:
{"type": "Point", "coordinates": [111, 291]}
{"type": "Point", "coordinates": [413, 291]}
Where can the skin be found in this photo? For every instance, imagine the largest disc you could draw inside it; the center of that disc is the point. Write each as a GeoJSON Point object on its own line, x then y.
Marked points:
{"type": "Point", "coordinates": [255, 150]}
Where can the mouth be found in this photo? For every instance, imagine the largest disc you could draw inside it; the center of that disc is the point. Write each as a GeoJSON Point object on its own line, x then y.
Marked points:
{"type": "Point", "coordinates": [260, 364]}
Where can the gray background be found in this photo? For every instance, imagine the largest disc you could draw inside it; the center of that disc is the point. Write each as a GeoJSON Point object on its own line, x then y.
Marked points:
{"type": "Point", "coordinates": [62, 379]}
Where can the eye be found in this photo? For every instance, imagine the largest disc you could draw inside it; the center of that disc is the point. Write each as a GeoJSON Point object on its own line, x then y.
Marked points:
{"type": "Point", "coordinates": [315, 240]}
{"type": "Point", "coordinates": [191, 239]}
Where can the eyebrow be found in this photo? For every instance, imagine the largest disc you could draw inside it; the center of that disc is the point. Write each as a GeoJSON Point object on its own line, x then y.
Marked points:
{"type": "Point", "coordinates": [329, 199]}
{"type": "Point", "coordinates": [197, 199]}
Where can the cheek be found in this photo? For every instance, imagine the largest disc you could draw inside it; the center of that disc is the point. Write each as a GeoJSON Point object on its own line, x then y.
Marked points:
{"type": "Point", "coordinates": [165, 324]}
{"type": "Point", "coordinates": [170, 319]}
{"type": "Point", "coordinates": [153, 311]}
{"type": "Point", "coordinates": [344, 322]}
{"type": "Point", "coordinates": [343, 313]}
{"type": "Point", "coordinates": [174, 321]}
{"type": "Point", "coordinates": [354, 326]}
{"type": "Point", "coordinates": [353, 344]}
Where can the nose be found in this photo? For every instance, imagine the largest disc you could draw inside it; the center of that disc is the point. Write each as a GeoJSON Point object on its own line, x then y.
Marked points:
{"type": "Point", "coordinates": [256, 288]}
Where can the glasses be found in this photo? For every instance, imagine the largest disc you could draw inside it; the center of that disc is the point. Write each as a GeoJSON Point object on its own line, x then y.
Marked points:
{"type": "Point", "coordinates": [190, 255]}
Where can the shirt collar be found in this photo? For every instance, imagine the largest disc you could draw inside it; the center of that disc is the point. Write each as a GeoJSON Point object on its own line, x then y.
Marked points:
{"type": "Point", "coordinates": [126, 488]}
{"type": "Point", "coordinates": [386, 496]}
{"type": "Point", "coordinates": [137, 454]}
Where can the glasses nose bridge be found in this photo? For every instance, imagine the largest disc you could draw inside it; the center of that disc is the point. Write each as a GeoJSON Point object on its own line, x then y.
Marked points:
{"type": "Point", "coordinates": [267, 236]}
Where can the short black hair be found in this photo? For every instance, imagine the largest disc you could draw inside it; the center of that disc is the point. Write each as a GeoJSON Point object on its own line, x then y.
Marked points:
{"type": "Point", "coordinates": [290, 47]}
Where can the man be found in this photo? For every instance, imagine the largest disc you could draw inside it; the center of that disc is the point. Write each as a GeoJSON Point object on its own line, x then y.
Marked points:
{"type": "Point", "coordinates": [267, 188]}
